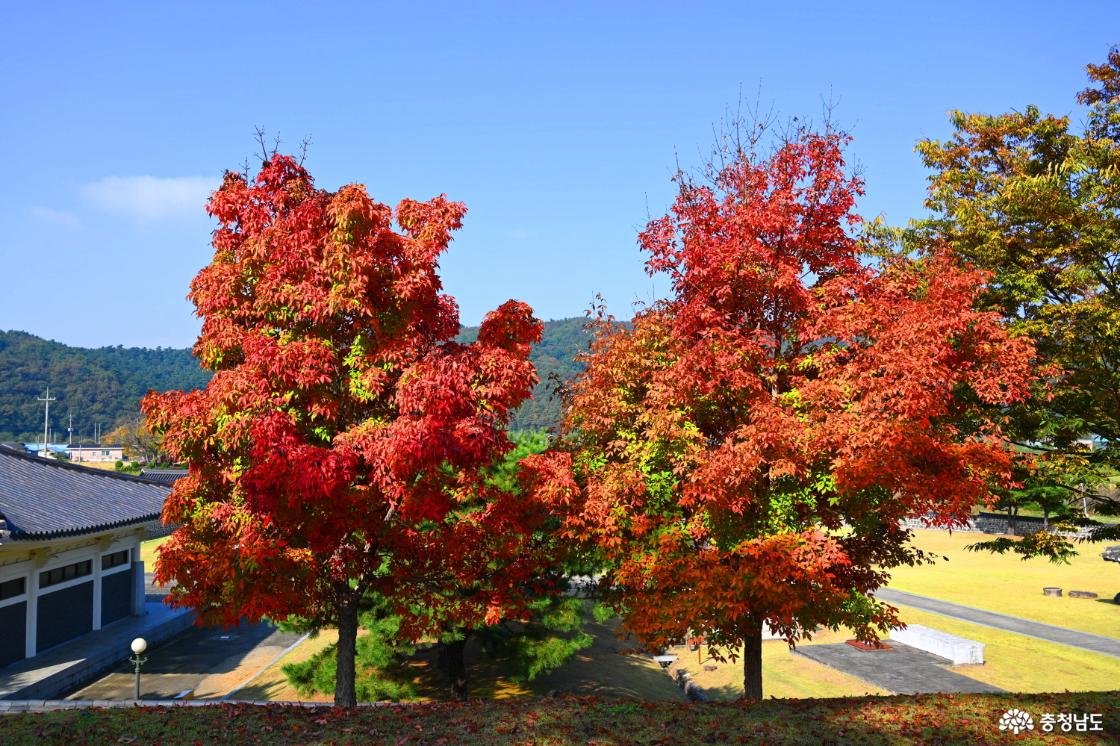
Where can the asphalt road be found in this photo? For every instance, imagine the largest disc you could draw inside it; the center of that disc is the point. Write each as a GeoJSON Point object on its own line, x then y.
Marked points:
{"type": "Point", "coordinates": [201, 663]}
{"type": "Point", "coordinates": [1061, 635]}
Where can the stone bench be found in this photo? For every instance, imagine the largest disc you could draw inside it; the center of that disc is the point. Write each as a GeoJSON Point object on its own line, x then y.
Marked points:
{"type": "Point", "coordinates": [957, 649]}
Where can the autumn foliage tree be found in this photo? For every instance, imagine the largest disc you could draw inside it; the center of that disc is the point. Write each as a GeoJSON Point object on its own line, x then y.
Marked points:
{"type": "Point", "coordinates": [746, 449]}
{"type": "Point", "coordinates": [342, 422]}
{"type": "Point", "coordinates": [492, 569]}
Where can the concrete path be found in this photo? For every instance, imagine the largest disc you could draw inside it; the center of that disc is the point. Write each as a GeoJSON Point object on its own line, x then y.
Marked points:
{"type": "Point", "coordinates": [203, 663]}
{"type": "Point", "coordinates": [58, 670]}
{"type": "Point", "coordinates": [10, 706]}
{"type": "Point", "coordinates": [1050, 633]}
{"type": "Point", "coordinates": [902, 669]}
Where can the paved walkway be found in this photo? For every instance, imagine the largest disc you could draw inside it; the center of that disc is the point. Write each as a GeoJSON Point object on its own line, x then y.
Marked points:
{"type": "Point", "coordinates": [902, 669]}
{"type": "Point", "coordinates": [50, 705]}
{"type": "Point", "coordinates": [202, 663]}
{"type": "Point", "coordinates": [58, 670]}
{"type": "Point", "coordinates": [1050, 633]}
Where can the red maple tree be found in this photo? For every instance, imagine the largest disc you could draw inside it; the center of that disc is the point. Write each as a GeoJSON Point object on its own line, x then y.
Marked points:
{"type": "Point", "coordinates": [342, 418]}
{"type": "Point", "coordinates": [747, 448]}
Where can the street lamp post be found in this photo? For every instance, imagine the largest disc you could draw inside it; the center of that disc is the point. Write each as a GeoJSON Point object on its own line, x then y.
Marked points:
{"type": "Point", "coordinates": [139, 645]}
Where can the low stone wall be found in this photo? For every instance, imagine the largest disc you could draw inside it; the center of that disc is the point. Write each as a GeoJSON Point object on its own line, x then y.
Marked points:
{"type": "Point", "coordinates": [997, 523]}
{"type": "Point", "coordinates": [960, 650]}
{"type": "Point", "coordinates": [683, 679]}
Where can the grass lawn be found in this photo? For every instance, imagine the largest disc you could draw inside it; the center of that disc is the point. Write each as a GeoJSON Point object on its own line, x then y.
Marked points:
{"type": "Point", "coordinates": [1014, 662]}
{"type": "Point", "coordinates": [1024, 664]}
{"type": "Point", "coordinates": [1010, 585]}
{"type": "Point", "coordinates": [148, 552]}
{"type": "Point", "coordinates": [599, 669]}
{"type": "Point", "coordinates": [941, 719]}
{"type": "Point", "coordinates": [273, 686]}
{"type": "Point", "coordinates": [784, 674]}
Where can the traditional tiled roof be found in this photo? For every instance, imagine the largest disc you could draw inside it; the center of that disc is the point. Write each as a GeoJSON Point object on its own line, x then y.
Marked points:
{"type": "Point", "coordinates": [163, 476]}
{"type": "Point", "coordinates": [43, 498]}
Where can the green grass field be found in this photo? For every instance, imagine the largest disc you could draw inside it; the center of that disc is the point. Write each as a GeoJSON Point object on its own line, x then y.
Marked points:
{"type": "Point", "coordinates": [1010, 585]}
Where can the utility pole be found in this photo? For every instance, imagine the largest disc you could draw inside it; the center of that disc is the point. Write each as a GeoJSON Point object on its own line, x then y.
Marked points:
{"type": "Point", "coordinates": [70, 430]}
{"type": "Point", "coordinates": [46, 417]}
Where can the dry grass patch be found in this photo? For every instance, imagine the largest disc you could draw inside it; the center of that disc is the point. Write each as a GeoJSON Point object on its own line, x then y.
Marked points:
{"type": "Point", "coordinates": [784, 674]}
{"type": "Point", "coordinates": [1010, 585]}
{"type": "Point", "coordinates": [579, 721]}
{"type": "Point", "coordinates": [148, 552]}
{"type": "Point", "coordinates": [1024, 664]}
{"type": "Point", "coordinates": [272, 685]}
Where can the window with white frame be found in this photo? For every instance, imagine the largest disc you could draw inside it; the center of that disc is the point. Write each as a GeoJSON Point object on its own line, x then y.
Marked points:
{"type": "Point", "coordinates": [116, 559]}
{"type": "Point", "coordinates": [64, 573]}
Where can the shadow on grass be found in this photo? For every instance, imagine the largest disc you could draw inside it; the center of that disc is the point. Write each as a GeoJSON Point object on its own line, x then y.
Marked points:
{"type": "Point", "coordinates": [602, 669]}
{"type": "Point", "coordinates": [607, 669]}
{"type": "Point", "coordinates": [725, 693]}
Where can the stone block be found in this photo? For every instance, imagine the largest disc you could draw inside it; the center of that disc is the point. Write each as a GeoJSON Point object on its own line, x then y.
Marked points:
{"type": "Point", "coordinates": [959, 650]}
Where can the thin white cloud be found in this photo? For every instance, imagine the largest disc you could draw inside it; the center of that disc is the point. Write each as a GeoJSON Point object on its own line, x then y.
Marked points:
{"type": "Point", "coordinates": [60, 218]}
{"type": "Point", "coordinates": [151, 197]}
{"type": "Point", "coordinates": [519, 234]}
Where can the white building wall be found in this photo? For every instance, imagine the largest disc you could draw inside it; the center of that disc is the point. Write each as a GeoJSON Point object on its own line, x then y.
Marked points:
{"type": "Point", "coordinates": [17, 562]}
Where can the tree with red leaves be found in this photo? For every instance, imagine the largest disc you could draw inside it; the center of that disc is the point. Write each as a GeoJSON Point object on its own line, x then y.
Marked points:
{"type": "Point", "coordinates": [342, 422]}
{"type": "Point", "coordinates": [746, 449]}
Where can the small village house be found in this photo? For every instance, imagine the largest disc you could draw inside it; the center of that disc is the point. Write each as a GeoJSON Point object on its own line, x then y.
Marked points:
{"type": "Point", "coordinates": [95, 454]}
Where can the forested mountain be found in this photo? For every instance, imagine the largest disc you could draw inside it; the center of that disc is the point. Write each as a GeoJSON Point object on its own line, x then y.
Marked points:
{"type": "Point", "coordinates": [555, 358]}
{"type": "Point", "coordinates": [98, 386]}
{"type": "Point", "coordinates": [104, 385]}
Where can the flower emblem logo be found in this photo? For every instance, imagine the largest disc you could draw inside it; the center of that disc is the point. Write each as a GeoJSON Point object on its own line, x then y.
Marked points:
{"type": "Point", "coordinates": [1017, 721]}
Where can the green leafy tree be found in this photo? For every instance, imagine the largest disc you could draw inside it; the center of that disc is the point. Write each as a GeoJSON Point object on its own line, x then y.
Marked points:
{"type": "Point", "coordinates": [547, 633]}
{"type": "Point", "coordinates": [547, 629]}
{"type": "Point", "coordinates": [1036, 203]}
{"type": "Point", "coordinates": [379, 656]}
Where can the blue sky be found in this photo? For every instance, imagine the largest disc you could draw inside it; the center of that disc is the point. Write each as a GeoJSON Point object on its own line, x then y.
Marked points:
{"type": "Point", "coordinates": [559, 127]}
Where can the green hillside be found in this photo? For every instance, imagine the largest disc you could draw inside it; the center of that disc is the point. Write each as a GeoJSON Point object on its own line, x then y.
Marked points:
{"type": "Point", "coordinates": [104, 385]}
{"type": "Point", "coordinates": [555, 358]}
{"type": "Point", "coordinates": [99, 386]}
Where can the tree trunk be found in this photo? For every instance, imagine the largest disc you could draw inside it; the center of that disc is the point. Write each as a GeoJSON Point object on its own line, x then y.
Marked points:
{"type": "Point", "coordinates": [344, 692]}
{"type": "Point", "coordinates": [752, 663]}
{"type": "Point", "coordinates": [1045, 519]}
{"type": "Point", "coordinates": [457, 669]}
